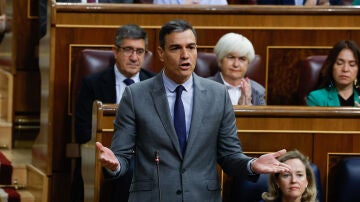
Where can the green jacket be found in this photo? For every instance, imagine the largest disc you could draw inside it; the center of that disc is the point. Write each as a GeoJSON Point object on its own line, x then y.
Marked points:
{"type": "Point", "coordinates": [327, 97]}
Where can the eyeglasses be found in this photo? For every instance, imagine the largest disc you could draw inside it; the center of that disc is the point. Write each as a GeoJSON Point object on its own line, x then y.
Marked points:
{"type": "Point", "coordinates": [130, 50]}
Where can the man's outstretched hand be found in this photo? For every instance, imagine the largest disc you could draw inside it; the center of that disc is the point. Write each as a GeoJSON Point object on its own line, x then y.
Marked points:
{"type": "Point", "coordinates": [107, 158]}
{"type": "Point", "coordinates": [268, 163]}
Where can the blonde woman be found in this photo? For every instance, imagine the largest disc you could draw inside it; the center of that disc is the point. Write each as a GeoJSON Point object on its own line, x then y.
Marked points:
{"type": "Point", "coordinates": [297, 185]}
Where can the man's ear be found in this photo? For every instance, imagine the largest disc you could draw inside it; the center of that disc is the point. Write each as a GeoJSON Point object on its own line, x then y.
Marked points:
{"type": "Point", "coordinates": [160, 53]}
{"type": "Point", "coordinates": [115, 51]}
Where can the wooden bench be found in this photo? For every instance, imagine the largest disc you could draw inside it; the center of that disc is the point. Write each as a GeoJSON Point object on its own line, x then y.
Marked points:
{"type": "Point", "coordinates": [102, 131]}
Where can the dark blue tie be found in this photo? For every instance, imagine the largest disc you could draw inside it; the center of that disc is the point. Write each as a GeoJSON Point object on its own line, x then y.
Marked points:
{"type": "Point", "coordinates": [128, 81]}
{"type": "Point", "coordinates": [179, 119]}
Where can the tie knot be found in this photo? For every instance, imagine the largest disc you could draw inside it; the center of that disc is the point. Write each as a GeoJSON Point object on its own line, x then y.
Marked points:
{"type": "Point", "coordinates": [179, 89]}
{"type": "Point", "coordinates": [128, 81]}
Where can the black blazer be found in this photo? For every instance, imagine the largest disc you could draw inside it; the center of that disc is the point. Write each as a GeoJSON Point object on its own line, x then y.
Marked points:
{"type": "Point", "coordinates": [99, 86]}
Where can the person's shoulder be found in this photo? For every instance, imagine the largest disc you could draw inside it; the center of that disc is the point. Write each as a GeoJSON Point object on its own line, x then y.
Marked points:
{"type": "Point", "coordinates": [211, 85]}
{"type": "Point", "coordinates": [94, 76]}
{"type": "Point", "coordinates": [147, 83]}
{"type": "Point", "coordinates": [319, 97]}
{"type": "Point", "coordinates": [320, 92]}
{"type": "Point", "coordinates": [147, 73]}
{"type": "Point", "coordinates": [215, 77]}
{"type": "Point", "coordinates": [257, 86]}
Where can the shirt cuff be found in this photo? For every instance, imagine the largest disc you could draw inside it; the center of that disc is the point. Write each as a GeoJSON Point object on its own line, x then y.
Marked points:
{"type": "Point", "coordinates": [248, 166]}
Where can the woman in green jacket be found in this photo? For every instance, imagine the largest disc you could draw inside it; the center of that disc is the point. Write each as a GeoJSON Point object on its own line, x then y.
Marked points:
{"type": "Point", "coordinates": [339, 76]}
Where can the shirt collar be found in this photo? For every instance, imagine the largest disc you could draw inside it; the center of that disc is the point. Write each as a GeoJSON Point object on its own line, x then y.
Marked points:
{"type": "Point", "coordinates": [170, 85]}
{"type": "Point", "coordinates": [229, 86]}
{"type": "Point", "coordinates": [120, 77]}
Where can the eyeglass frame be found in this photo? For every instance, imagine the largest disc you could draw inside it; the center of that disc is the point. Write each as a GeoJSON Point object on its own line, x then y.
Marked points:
{"type": "Point", "coordinates": [128, 51]}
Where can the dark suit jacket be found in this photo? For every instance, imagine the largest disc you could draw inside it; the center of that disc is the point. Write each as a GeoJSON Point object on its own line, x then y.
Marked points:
{"type": "Point", "coordinates": [257, 90]}
{"type": "Point", "coordinates": [99, 86]}
{"type": "Point", "coordinates": [147, 125]}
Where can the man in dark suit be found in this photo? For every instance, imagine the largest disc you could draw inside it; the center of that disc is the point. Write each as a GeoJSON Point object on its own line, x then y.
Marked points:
{"type": "Point", "coordinates": [131, 43]}
{"type": "Point", "coordinates": [177, 155]}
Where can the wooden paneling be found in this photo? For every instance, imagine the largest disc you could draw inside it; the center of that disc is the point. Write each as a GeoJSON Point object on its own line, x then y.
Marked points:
{"type": "Point", "coordinates": [25, 66]}
{"type": "Point", "coordinates": [283, 27]}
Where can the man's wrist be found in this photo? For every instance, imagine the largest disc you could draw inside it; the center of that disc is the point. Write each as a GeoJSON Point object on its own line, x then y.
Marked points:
{"type": "Point", "coordinates": [250, 167]}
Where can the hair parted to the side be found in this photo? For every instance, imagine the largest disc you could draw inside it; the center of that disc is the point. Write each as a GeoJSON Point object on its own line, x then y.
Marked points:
{"type": "Point", "coordinates": [130, 31]}
{"type": "Point", "coordinates": [326, 74]}
{"type": "Point", "coordinates": [174, 26]}
{"type": "Point", "coordinates": [233, 42]}
{"type": "Point", "coordinates": [274, 192]}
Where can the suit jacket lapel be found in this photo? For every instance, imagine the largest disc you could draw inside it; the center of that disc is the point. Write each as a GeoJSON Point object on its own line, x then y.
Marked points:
{"type": "Point", "coordinates": [158, 94]}
{"type": "Point", "coordinates": [333, 99]}
{"type": "Point", "coordinates": [200, 100]}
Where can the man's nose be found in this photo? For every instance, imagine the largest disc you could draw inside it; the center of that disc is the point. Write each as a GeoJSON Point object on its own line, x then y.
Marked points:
{"type": "Point", "coordinates": [134, 56]}
{"type": "Point", "coordinates": [184, 53]}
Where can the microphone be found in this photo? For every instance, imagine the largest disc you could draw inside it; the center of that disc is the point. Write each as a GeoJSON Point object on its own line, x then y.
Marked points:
{"type": "Point", "coordinates": [157, 161]}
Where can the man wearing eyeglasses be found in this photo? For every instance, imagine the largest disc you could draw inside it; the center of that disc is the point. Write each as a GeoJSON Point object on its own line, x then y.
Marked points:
{"type": "Point", "coordinates": [131, 42]}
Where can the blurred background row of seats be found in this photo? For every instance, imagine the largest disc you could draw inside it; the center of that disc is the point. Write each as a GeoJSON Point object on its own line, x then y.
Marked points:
{"type": "Point", "coordinates": [93, 60]}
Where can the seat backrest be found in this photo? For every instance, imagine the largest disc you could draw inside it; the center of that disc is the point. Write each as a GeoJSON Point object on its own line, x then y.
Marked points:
{"type": "Point", "coordinates": [254, 70]}
{"type": "Point", "coordinates": [346, 180]}
{"type": "Point", "coordinates": [309, 76]}
{"type": "Point", "coordinates": [245, 190]}
{"type": "Point", "coordinates": [207, 66]}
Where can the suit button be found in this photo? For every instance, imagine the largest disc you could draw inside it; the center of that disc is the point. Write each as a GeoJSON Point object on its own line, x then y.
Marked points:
{"type": "Point", "coordinates": [178, 192]}
{"type": "Point", "coordinates": [183, 171]}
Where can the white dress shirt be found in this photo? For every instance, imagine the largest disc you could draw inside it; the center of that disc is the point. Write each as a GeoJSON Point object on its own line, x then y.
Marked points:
{"type": "Point", "coordinates": [186, 97]}
{"type": "Point", "coordinates": [234, 91]}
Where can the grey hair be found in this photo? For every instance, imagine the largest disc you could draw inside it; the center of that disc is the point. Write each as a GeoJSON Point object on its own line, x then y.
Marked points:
{"type": "Point", "coordinates": [130, 31]}
{"type": "Point", "coordinates": [233, 42]}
